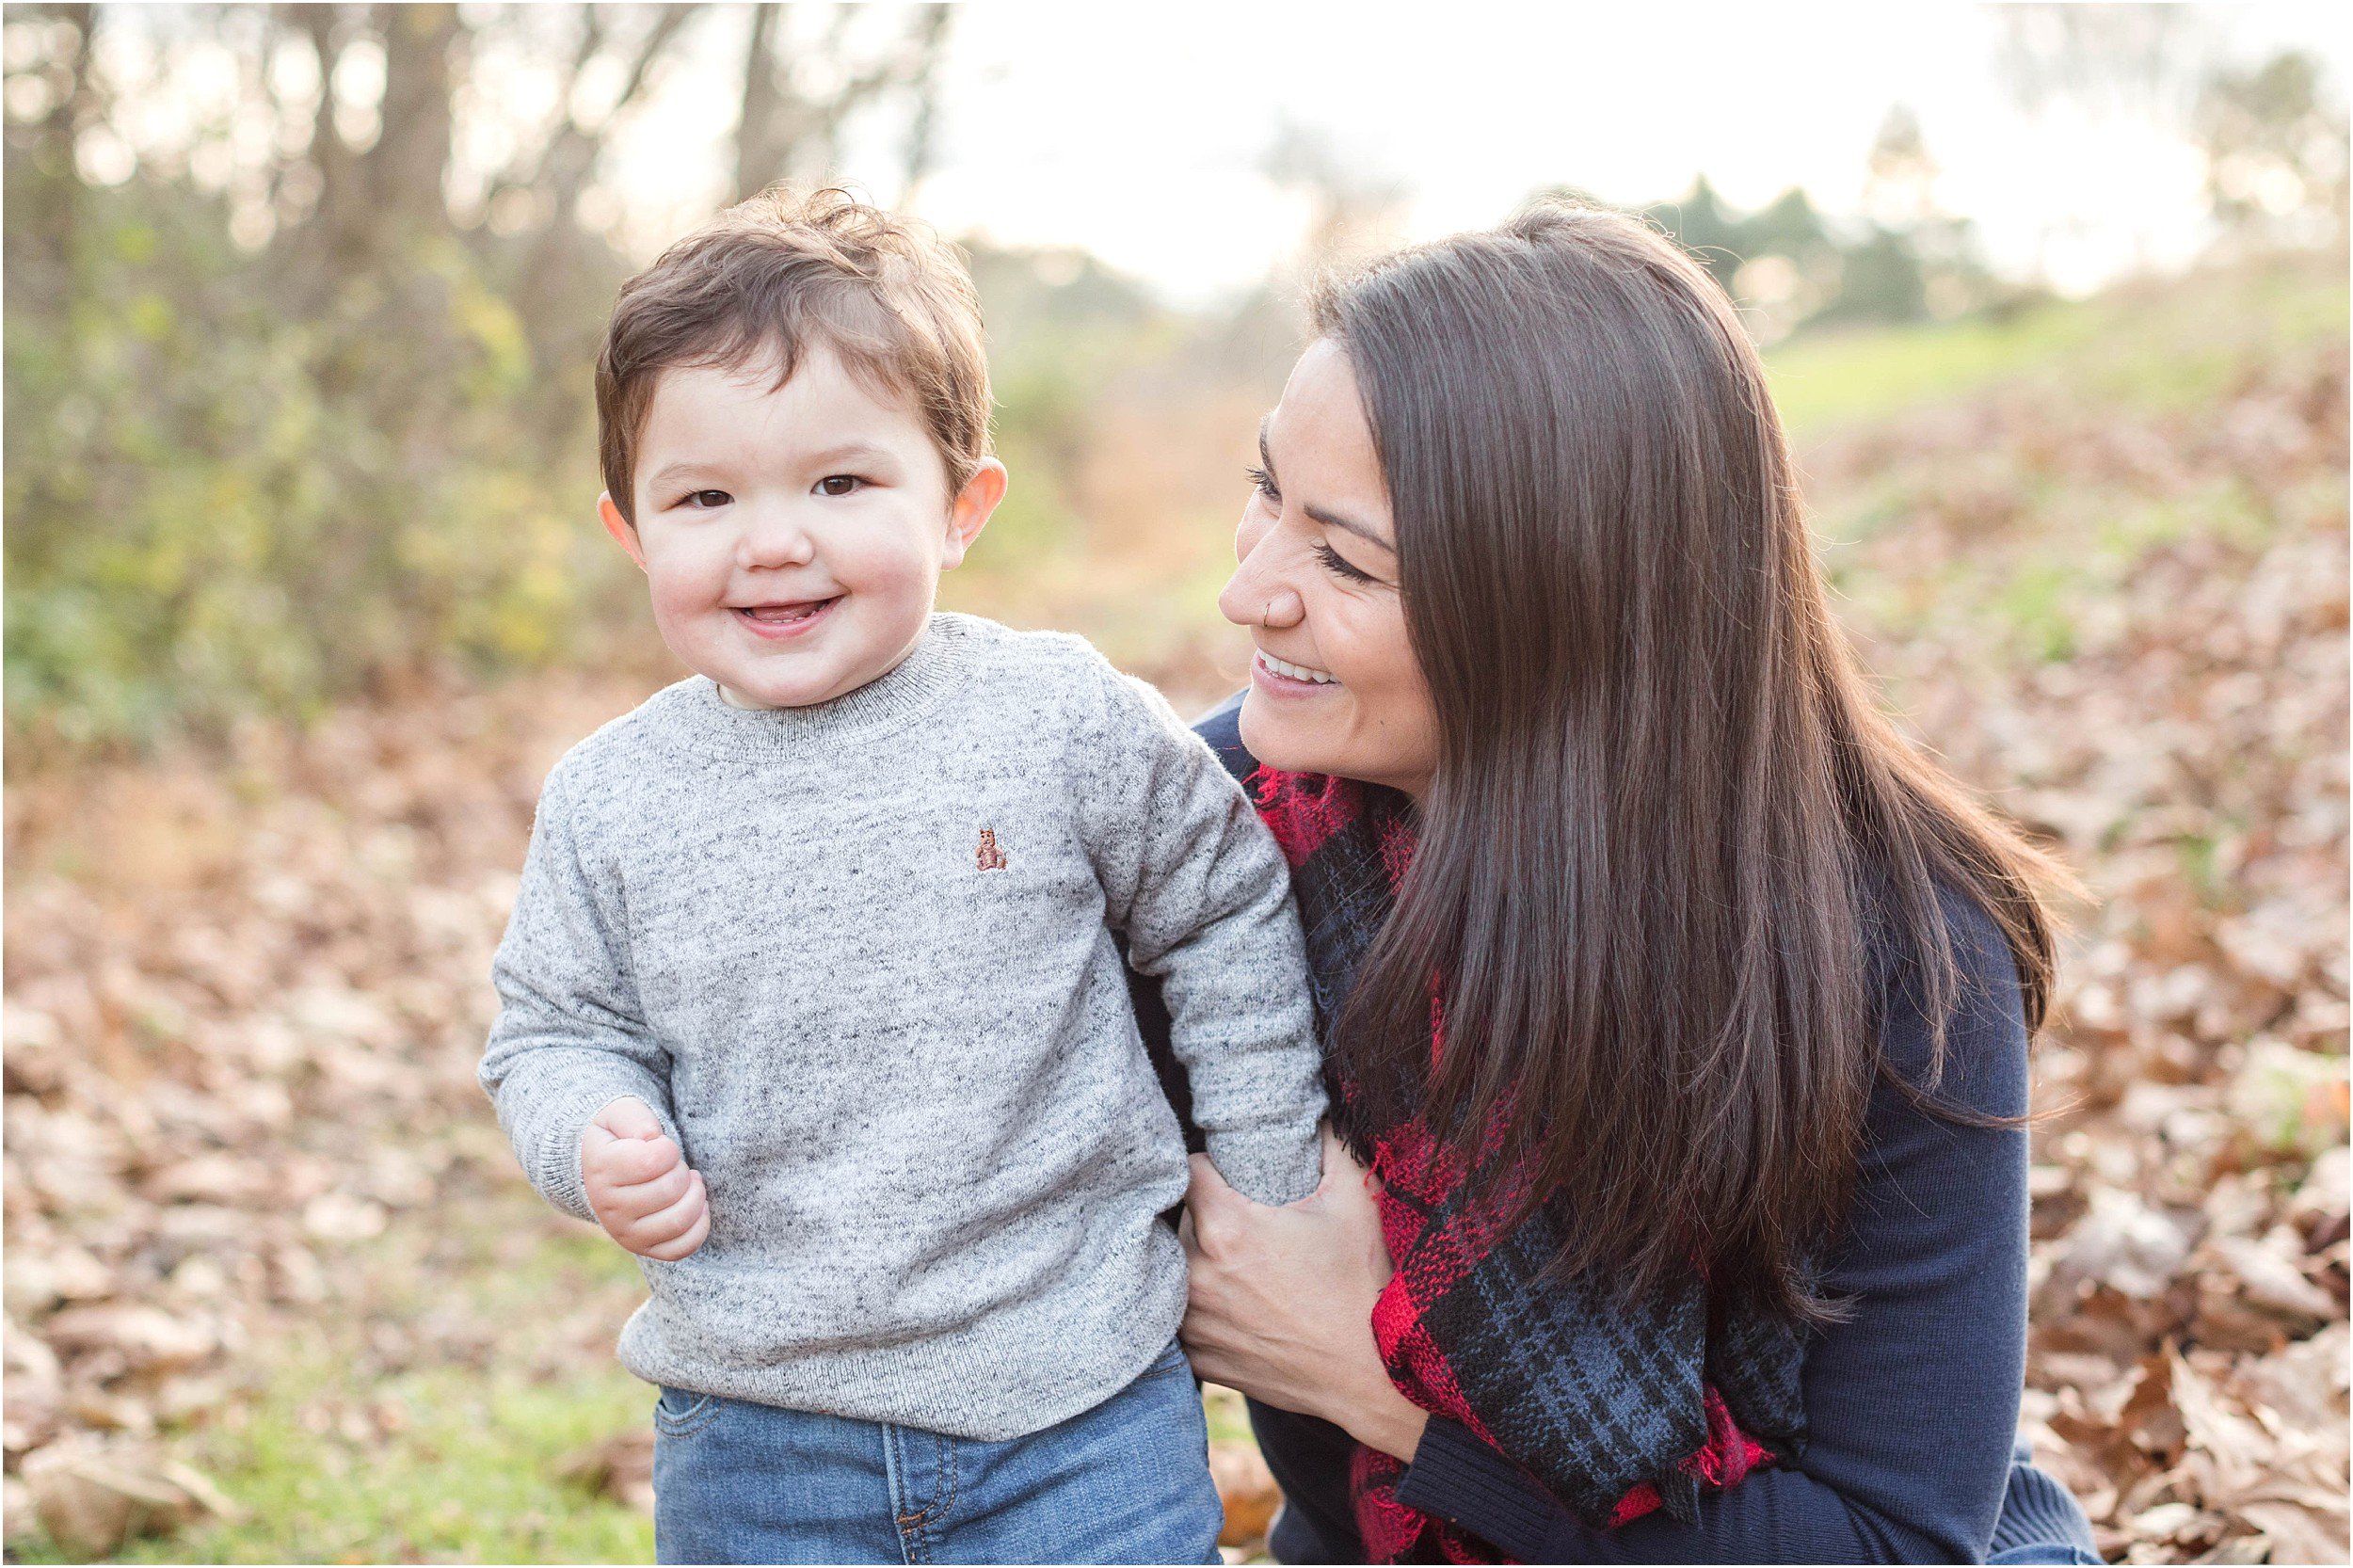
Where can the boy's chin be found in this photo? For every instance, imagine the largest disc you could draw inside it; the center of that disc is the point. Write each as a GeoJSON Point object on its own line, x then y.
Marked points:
{"type": "Point", "coordinates": [750, 692]}
{"type": "Point", "coordinates": [814, 682]}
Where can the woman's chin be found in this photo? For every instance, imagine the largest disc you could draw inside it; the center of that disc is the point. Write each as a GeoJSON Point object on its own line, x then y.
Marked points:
{"type": "Point", "coordinates": [1278, 738]}
{"type": "Point", "coordinates": [1281, 736]}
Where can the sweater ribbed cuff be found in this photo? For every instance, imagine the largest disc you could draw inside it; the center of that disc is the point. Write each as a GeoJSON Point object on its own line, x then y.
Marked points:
{"type": "Point", "coordinates": [1457, 1478]}
{"type": "Point", "coordinates": [1272, 1164]}
{"type": "Point", "coordinates": [555, 1167]}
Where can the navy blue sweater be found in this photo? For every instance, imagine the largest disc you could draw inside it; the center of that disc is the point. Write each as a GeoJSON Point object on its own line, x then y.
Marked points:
{"type": "Point", "coordinates": [1911, 1404]}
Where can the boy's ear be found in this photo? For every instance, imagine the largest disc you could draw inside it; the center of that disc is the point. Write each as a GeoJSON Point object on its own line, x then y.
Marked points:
{"type": "Point", "coordinates": [620, 528]}
{"type": "Point", "coordinates": [973, 506]}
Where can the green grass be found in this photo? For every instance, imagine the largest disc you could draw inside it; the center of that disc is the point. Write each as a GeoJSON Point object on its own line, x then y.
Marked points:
{"type": "Point", "coordinates": [2157, 347]}
{"type": "Point", "coordinates": [449, 1451]}
{"type": "Point", "coordinates": [2069, 540]}
{"type": "Point", "coordinates": [467, 1473]}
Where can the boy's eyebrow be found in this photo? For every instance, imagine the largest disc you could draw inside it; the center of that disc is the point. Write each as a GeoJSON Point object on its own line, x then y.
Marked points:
{"type": "Point", "coordinates": [847, 452]}
{"type": "Point", "coordinates": [1322, 515]}
{"type": "Point", "coordinates": [692, 468]}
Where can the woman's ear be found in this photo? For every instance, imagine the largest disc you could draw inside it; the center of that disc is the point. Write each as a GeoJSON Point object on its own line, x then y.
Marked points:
{"type": "Point", "coordinates": [623, 531]}
{"type": "Point", "coordinates": [970, 511]}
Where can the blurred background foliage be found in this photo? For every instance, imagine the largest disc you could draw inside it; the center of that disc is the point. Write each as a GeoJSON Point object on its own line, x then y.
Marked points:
{"type": "Point", "coordinates": [300, 402]}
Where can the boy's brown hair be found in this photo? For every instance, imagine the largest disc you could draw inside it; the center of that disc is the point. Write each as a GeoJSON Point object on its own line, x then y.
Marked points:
{"type": "Point", "coordinates": [775, 275]}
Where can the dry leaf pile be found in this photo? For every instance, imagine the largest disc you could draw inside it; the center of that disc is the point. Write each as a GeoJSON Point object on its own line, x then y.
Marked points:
{"type": "Point", "coordinates": [245, 995]}
{"type": "Point", "coordinates": [2187, 1367]}
{"type": "Point", "coordinates": [244, 1004]}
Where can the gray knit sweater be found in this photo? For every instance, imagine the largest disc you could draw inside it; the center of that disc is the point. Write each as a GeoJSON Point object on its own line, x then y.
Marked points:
{"type": "Point", "coordinates": [859, 959]}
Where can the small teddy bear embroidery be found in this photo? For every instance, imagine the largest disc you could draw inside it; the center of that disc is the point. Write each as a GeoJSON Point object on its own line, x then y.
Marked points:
{"type": "Point", "coordinates": [991, 858]}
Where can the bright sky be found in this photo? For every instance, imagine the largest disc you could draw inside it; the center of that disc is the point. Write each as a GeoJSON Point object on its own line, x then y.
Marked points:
{"type": "Point", "coordinates": [1138, 132]}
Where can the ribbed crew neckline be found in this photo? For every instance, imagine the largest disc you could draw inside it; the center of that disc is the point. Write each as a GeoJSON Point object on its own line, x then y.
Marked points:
{"type": "Point", "coordinates": [706, 723]}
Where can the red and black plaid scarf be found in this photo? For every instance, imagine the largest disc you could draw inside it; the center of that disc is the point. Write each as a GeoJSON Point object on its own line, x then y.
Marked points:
{"type": "Point", "coordinates": [1616, 1411]}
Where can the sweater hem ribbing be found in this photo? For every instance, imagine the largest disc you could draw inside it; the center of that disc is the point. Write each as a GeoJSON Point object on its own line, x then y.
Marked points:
{"type": "Point", "coordinates": [904, 1384]}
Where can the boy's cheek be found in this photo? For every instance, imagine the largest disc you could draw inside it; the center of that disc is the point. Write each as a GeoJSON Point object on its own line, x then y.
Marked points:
{"type": "Point", "coordinates": [683, 590]}
{"type": "Point", "coordinates": [899, 564]}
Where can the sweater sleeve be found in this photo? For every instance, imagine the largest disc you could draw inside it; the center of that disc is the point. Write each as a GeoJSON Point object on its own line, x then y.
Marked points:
{"type": "Point", "coordinates": [1911, 1404]}
{"type": "Point", "coordinates": [568, 1039]}
{"type": "Point", "coordinates": [1194, 885]}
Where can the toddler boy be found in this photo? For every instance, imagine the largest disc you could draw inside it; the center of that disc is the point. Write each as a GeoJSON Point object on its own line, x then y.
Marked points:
{"type": "Point", "coordinates": [810, 996]}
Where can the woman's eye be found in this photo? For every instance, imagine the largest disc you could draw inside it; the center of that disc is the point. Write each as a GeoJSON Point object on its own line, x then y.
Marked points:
{"type": "Point", "coordinates": [839, 483]}
{"type": "Point", "coordinates": [1340, 566]}
{"type": "Point", "coordinates": [703, 500]}
{"type": "Point", "coordinates": [1263, 483]}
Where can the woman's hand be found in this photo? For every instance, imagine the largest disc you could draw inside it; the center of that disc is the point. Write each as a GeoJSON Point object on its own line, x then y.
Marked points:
{"type": "Point", "coordinates": [1281, 1301]}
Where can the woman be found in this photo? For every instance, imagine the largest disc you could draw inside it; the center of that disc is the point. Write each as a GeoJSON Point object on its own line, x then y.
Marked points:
{"type": "Point", "coordinates": [1678, 1008]}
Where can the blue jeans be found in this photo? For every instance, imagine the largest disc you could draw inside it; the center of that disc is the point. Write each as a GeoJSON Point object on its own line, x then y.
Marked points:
{"type": "Point", "coordinates": [1126, 1482]}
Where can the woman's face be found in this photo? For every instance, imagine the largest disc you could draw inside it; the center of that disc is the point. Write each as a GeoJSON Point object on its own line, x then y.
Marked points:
{"type": "Point", "coordinates": [1334, 687]}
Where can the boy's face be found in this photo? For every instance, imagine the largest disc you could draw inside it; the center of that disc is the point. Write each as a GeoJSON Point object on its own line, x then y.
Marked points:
{"type": "Point", "coordinates": [792, 539]}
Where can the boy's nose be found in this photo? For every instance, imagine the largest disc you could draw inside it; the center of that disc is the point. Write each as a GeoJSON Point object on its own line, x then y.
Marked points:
{"type": "Point", "coordinates": [775, 539]}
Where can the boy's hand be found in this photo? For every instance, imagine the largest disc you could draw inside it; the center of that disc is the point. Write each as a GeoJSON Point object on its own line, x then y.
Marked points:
{"type": "Point", "coordinates": [639, 1185]}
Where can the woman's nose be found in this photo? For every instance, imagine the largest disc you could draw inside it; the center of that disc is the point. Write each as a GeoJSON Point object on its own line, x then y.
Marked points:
{"type": "Point", "coordinates": [1256, 595]}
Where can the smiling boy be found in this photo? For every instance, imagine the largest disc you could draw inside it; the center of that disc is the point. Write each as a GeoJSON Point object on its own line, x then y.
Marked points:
{"type": "Point", "coordinates": [810, 997]}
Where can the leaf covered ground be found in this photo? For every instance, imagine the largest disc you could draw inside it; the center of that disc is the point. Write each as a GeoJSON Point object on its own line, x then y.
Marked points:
{"type": "Point", "coordinates": [275, 1291]}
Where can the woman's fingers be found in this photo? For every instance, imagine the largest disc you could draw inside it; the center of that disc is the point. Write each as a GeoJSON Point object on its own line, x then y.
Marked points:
{"type": "Point", "coordinates": [1208, 1365]}
{"type": "Point", "coordinates": [1211, 1205]}
{"type": "Point", "coordinates": [1207, 1185]}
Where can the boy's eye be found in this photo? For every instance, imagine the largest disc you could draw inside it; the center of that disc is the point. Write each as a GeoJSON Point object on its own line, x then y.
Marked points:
{"type": "Point", "coordinates": [1340, 566]}
{"type": "Point", "coordinates": [705, 500]}
{"type": "Point", "coordinates": [839, 483]}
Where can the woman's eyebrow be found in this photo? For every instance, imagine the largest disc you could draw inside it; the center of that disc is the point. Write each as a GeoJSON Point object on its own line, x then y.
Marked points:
{"type": "Point", "coordinates": [1334, 519]}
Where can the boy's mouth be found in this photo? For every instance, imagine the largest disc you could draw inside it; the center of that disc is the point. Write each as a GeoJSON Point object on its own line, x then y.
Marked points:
{"type": "Point", "coordinates": [784, 619]}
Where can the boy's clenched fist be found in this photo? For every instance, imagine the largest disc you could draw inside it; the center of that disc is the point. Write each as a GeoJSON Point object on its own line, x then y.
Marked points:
{"type": "Point", "coordinates": [639, 1185]}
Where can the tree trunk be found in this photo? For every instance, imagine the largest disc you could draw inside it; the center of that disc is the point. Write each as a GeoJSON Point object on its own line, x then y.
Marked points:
{"type": "Point", "coordinates": [756, 150]}
{"type": "Point", "coordinates": [406, 163]}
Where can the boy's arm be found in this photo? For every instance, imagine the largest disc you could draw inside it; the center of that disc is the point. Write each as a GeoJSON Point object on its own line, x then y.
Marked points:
{"type": "Point", "coordinates": [568, 1040]}
{"type": "Point", "coordinates": [1193, 881]}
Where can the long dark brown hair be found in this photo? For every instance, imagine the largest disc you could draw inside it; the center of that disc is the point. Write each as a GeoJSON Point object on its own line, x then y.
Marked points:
{"type": "Point", "coordinates": [1670, 836]}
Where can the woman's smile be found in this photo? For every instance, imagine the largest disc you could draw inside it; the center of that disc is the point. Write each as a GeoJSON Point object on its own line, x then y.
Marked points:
{"type": "Point", "coordinates": [1281, 677]}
